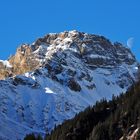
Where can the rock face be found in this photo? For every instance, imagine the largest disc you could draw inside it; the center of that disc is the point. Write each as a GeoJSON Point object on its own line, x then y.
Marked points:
{"type": "Point", "coordinates": [94, 50]}
{"type": "Point", "coordinates": [5, 69]}
{"type": "Point", "coordinates": [58, 76]}
{"type": "Point", "coordinates": [23, 60]}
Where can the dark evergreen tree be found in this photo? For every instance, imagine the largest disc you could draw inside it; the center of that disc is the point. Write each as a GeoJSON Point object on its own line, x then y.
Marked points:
{"type": "Point", "coordinates": [33, 137]}
{"type": "Point", "coordinates": [138, 135]}
{"type": "Point", "coordinates": [30, 137]}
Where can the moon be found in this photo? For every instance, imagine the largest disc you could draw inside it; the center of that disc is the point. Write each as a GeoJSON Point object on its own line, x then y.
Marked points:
{"type": "Point", "coordinates": [130, 42]}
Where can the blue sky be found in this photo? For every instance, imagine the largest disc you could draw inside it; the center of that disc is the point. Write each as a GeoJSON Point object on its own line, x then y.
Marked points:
{"type": "Point", "coordinates": [24, 21]}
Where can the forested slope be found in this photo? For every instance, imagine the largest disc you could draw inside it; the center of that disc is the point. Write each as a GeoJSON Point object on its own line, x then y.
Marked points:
{"type": "Point", "coordinates": [112, 120]}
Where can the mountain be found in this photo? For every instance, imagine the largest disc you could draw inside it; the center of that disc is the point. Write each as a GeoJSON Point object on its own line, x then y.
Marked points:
{"type": "Point", "coordinates": [58, 76]}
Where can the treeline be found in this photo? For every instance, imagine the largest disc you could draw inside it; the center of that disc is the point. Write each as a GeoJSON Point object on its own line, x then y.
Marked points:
{"type": "Point", "coordinates": [106, 120]}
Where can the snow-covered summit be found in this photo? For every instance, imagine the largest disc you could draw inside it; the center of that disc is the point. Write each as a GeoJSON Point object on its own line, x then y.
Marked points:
{"type": "Point", "coordinates": [93, 50]}
{"type": "Point", "coordinates": [60, 75]}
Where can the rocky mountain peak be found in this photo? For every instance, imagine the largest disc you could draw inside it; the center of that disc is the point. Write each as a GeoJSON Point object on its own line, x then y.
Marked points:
{"type": "Point", "coordinates": [93, 50]}
{"type": "Point", "coordinates": [58, 76]}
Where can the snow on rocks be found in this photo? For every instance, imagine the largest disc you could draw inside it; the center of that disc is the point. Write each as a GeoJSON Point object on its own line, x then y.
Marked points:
{"type": "Point", "coordinates": [6, 63]}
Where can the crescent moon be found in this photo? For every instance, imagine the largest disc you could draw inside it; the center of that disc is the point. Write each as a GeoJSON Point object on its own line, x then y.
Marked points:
{"type": "Point", "coordinates": [130, 42]}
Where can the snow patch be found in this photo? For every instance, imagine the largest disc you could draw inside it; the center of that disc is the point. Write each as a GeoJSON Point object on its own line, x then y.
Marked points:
{"type": "Point", "coordinates": [6, 63]}
{"type": "Point", "coordinates": [48, 90]}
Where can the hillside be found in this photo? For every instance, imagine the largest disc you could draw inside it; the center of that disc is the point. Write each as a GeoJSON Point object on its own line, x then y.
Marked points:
{"type": "Point", "coordinates": [118, 119]}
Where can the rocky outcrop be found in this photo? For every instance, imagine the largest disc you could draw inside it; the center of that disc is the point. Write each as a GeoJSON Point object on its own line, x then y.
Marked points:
{"type": "Point", "coordinates": [5, 71]}
{"type": "Point", "coordinates": [23, 60]}
{"type": "Point", "coordinates": [73, 85]}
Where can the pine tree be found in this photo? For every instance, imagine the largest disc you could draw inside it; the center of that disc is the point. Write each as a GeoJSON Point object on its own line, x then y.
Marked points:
{"type": "Point", "coordinates": [30, 137]}
{"type": "Point", "coordinates": [138, 135]}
